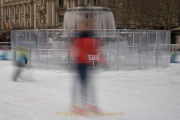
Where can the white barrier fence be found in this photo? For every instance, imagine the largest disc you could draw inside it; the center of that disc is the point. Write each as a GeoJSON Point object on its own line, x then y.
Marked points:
{"type": "Point", "coordinates": [131, 49]}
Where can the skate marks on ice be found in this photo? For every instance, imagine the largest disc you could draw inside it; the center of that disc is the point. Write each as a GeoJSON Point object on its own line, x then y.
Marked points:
{"type": "Point", "coordinates": [22, 74]}
{"type": "Point", "coordinates": [141, 95]}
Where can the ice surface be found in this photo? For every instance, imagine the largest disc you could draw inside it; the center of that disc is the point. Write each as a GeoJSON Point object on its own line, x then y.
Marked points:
{"type": "Point", "coordinates": [142, 95]}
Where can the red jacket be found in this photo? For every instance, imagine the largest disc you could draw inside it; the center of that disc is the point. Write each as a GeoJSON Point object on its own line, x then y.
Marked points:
{"type": "Point", "coordinates": [84, 47]}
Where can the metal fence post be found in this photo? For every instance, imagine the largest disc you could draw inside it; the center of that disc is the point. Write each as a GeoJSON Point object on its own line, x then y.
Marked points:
{"type": "Point", "coordinates": [30, 48]}
{"type": "Point", "coordinates": [11, 47]}
{"type": "Point", "coordinates": [47, 47]}
{"type": "Point", "coordinates": [168, 47]}
{"type": "Point", "coordinates": [147, 50]}
{"type": "Point", "coordinates": [93, 53]}
{"type": "Point", "coordinates": [17, 44]}
{"type": "Point", "coordinates": [68, 50]}
{"type": "Point", "coordinates": [17, 38]}
{"type": "Point", "coordinates": [118, 50]}
{"type": "Point", "coordinates": [38, 48]}
{"type": "Point", "coordinates": [139, 53]}
{"type": "Point", "coordinates": [156, 48]}
{"type": "Point", "coordinates": [133, 41]}
{"type": "Point", "coordinates": [132, 50]}
{"type": "Point", "coordinates": [25, 36]}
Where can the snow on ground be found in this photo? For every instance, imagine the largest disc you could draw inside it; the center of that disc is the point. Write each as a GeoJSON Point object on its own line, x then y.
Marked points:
{"type": "Point", "coordinates": [141, 95]}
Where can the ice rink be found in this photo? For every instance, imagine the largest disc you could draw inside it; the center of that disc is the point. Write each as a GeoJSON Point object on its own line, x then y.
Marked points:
{"type": "Point", "coordinates": [152, 94]}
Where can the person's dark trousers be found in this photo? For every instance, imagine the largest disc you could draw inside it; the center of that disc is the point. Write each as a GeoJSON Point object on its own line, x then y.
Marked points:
{"type": "Point", "coordinates": [85, 85]}
{"type": "Point", "coordinates": [82, 71]}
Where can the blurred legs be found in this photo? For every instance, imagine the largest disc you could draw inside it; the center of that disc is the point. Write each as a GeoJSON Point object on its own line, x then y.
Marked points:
{"type": "Point", "coordinates": [86, 88]}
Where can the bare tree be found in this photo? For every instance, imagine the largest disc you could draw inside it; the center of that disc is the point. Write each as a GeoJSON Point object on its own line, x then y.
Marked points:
{"type": "Point", "coordinates": [163, 11]}
{"type": "Point", "coordinates": [122, 10]}
{"type": "Point", "coordinates": [147, 13]}
{"type": "Point", "coordinates": [127, 11]}
{"type": "Point", "coordinates": [141, 13]}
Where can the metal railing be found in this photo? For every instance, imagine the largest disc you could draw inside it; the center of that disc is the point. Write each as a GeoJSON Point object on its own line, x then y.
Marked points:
{"type": "Point", "coordinates": [145, 49]}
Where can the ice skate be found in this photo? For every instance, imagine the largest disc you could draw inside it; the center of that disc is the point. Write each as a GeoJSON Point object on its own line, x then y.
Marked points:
{"type": "Point", "coordinates": [77, 109]}
{"type": "Point", "coordinates": [93, 108]}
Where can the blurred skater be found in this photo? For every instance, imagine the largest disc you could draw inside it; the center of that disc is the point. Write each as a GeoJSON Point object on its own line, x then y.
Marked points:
{"type": "Point", "coordinates": [20, 61]}
{"type": "Point", "coordinates": [85, 46]}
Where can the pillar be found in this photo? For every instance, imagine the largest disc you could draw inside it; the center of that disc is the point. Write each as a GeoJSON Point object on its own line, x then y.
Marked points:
{"type": "Point", "coordinates": [53, 14]}
{"type": "Point", "coordinates": [31, 15]}
{"type": "Point", "coordinates": [5, 14]}
{"type": "Point", "coordinates": [20, 15]}
{"type": "Point", "coordinates": [92, 3]}
{"type": "Point", "coordinates": [34, 16]}
{"type": "Point", "coordinates": [25, 18]}
{"type": "Point", "coordinates": [85, 2]}
{"type": "Point", "coordinates": [73, 3]}
{"type": "Point", "coordinates": [56, 17]}
{"type": "Point", "coordinates": [39, 19]}
{"type": "Point", "coordinates": [1, 17]}
{"type": "Point", "coordinates": [67, 3]}
{"type": "Point", "coordinates": [47, 11]}
{"type": "Point", "coordinates": [9, 14]}
{"type": "Point", "coordinates": [15, 17]}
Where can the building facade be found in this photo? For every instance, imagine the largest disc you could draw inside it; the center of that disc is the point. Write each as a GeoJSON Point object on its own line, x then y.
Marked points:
{"type": "Point", "coordinates": [49, 14]}
{"type": "Point", "coordinates": [36, 14]}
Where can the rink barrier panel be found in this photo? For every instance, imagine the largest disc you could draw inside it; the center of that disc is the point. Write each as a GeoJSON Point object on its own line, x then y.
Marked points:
{"type": "Point", "coordinates": [114, 45]}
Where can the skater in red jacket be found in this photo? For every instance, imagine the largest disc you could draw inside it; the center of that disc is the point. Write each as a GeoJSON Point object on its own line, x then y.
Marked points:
{"type": "Point", "coordinates": [85, 46]}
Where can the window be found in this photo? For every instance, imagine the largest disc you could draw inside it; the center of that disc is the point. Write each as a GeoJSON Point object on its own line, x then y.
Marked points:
{"type": "Point", "coordinates": [36, 7]}
{"type": "Point", "coordinates": [36, 23]}
{"type": "Point", "coordinates": [113, 2]}
{"type": "Point", "coordinates": [61, 3]}
{"type": "Point", "coordinates": [76, 3]}
{"type": "Point", "coordinates": [23, 24]}
{"type": "Point", "coordinates": [28, 9]}
{"type": "Point", "coordinates": [23, 9]}
{"type": "Point", "coordinates": [17, 10]}
{"type": "Point", "coordinates": [28, 24]}
{"type": "Point", "coordinates": [44, 19]}
{"type": "Point", "coordinates": [8, 12]}
{"type": "Point", "coordinates": [41, 2]}
{"type": "Point", "coordinates": [13, 11]}
{"type": "Point", "coordinates": [81, 2]}
{"type": "Point", "coordinates": [61, 18]}
{"type": "Point", "coordinates": [70, 3]}
{"type": "Point", "coordinates": [95, 2]}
